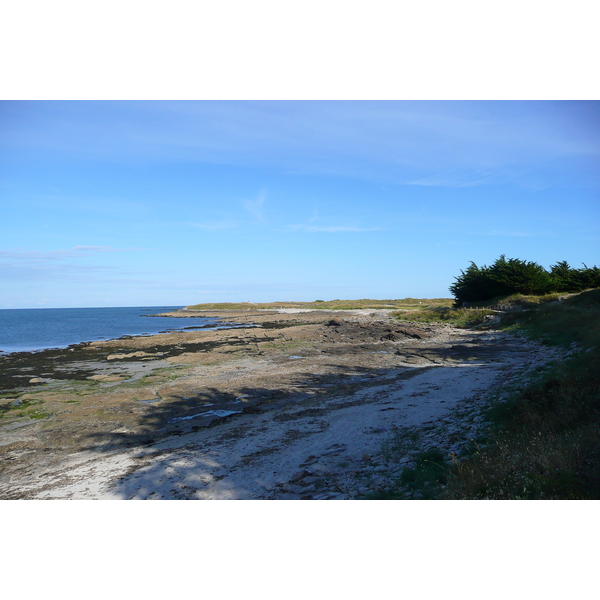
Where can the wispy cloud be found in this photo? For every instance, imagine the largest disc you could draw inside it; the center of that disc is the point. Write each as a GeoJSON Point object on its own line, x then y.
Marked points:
{"type": "Point", "coordinates": [256, 207]}
{"type": "Point", "coordinates": [75, 252]}
{"type": "Point", "coordinates": [467, 178]}
{"type": "Point", "coordinates": [37, 270]}
{"type": "Point", "coordinates": [55, 265]}
{"type": "Point", "coordinates": [331, 228]}
{"type": "Point", "coordinates": [386, 141]}
{"type": "Point", "coordinates": [212, 225]}
{"type": "Point", "coordinates": [513, 234]}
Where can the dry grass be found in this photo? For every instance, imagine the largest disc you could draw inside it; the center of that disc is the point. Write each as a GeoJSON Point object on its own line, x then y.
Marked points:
{"type": "Point", "coordinates": [459, 317]}
{"type": "Point", "coordinates": [399, 304]}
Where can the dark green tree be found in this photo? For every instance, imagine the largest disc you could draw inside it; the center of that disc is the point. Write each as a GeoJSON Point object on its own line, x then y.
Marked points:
{"type": "Point", "coordinates": [564, 278]}
{"type": "Point", "coordinates": [517, 276]}
{"type": "Point", "coordinates": [511, 276]}
{"type": "Point", "coordinates": [588, 277]}
{"type": "Point", "coordinates": [473, 284]}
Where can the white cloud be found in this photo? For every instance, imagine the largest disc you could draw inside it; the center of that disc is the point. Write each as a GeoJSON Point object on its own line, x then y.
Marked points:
{"type": "Point", "coordinates": [34, 255]}
{"type": "Point", "coordinates": [513, 234]}
{"type": "Point", "coordinates": [94, 249]}
{"type": "Point", "coordinates": [256, 207]}
{"type": "Point", "coordinates": [212, 225]}
{"type": "Point", "coordinates": [468, 178]}
{"type": "Point", "coordinates": [59, 265]}
{"type": "Point", "coordinates": [505, 233]}
{"type": "Point", "coordinates": [330, 228]}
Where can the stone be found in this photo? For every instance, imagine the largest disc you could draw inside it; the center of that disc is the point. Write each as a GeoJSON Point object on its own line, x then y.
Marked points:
{"type": "Point", "coordinates": [107, 377]}
{"type": "Point", "coordinates": [332, 451]}
{"type": "Point", "coordinates": [308, 480]}
{"type": "Point", "coordinates": [138, 354]}
{"type": "Point", "coordinates": [294, 489]}
{"type": "Point", "coordinates": [296, 477]}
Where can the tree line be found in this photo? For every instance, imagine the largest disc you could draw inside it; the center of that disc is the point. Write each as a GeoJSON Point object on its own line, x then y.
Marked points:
{"type": "Point", "coordinates": [515, 276]}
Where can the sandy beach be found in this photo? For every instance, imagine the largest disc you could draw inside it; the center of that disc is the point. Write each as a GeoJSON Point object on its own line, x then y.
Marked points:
{"type": "Point", "coordinates": [291, 404]}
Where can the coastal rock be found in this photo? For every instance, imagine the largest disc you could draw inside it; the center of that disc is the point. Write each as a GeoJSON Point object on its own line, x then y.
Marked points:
{"type": "Point", "coordinates": [310, 488]}
{"type": "Point", "coordinates": [138, 354]}
{"type": "Point", "coordinates": [296, 477]}
{"type": "Point", "coordinates": [309, 461]}
{"type": "Point", "coordinates": [107, 377]}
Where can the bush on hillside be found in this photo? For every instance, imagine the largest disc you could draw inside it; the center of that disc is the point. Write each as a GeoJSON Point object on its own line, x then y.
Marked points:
{"type": "Point", "coordinates": [515, 276]}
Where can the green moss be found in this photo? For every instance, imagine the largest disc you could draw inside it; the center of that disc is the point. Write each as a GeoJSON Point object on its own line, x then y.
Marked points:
{"type": "Point", "coordinates": [36, 413]}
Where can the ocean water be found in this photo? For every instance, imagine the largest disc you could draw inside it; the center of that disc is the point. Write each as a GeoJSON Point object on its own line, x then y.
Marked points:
{"type": "Point", "coordinates": [39, 328]}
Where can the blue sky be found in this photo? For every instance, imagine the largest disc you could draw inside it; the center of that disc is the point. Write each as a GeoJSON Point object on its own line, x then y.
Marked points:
{"type": "Point", "coordinates": [149, 203]}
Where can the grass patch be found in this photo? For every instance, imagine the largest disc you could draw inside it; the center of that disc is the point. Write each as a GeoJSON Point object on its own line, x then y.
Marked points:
{"type": "Point", "coordinates": [546, 437]}
{"type": "Point", "coordinates": [428, 474]}
{"type": "Point", "coordinates": [458, 317]}
{"type": "Point", "coordinates": [423, 481]}
{"type": "Point", "coordinates": [518, 301]}
{"type": "Point", "coordinates": [405, 304]}
{"type": "Point", "coordinates": [35, 413]}
{"type": "Point", "coordinates": [574, 320]}
{"type": "Point", "coordinates": [15, 406]}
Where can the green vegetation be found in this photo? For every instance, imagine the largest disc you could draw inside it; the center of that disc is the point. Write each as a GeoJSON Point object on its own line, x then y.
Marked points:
{"type": "Point", "coordinates": [508, 285]}
{"type": "Point", "coordinates": [574, 320]}
{"type": "Point", "coordinates": [404, 304]}
{"type": "Point", "coordinates": [510, 276]}
{"type": "Point", "coordinates": [17, 406]}
{"type": "Point", "coordinates": [428, 473]}
{"type": "Point", "coordinates": [458, 317]}
{"type": "Point", "coordinates": [36, 413]}
{"type": "Point", "coordinates": [546, 436]}
{"type": "Point", "coordinates": [543, 441]}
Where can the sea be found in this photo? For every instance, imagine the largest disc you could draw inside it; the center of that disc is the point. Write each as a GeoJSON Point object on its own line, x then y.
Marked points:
{"type": "Point", "coordinates": [28, 329]}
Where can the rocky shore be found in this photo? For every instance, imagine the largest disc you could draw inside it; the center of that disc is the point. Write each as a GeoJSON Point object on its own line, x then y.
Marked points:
{"type": "Point", "coordinates": [290, 404]}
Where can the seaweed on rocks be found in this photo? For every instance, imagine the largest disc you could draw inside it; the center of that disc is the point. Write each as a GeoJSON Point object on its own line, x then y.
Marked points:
{"type": "Point", "coordinates": [81, 361]}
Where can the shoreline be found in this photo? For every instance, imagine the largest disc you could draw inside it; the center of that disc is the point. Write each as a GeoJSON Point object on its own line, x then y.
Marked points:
{"type": "Point", "coordinates": [97, 338]}
{"type": "Point", "coordinates": [290, 399]}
